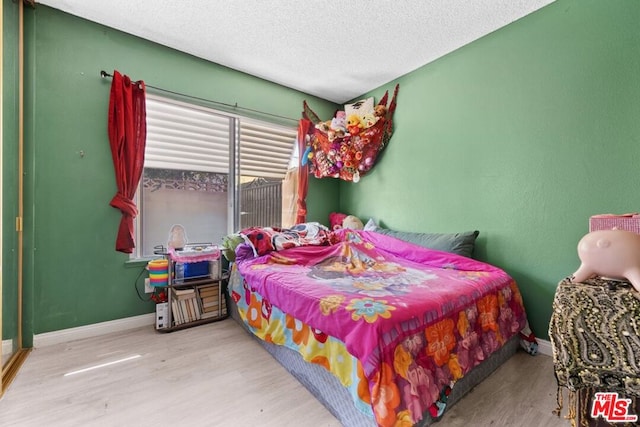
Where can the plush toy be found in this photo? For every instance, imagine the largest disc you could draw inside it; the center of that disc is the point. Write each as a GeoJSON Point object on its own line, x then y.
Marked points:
{"type": "Point", "coordinates": [324, 126]}
{"type": "Point", "coordinates": [369, 120]}
{"type": "Point", "coordinates": [339, 220]}
{"type": "Point", "coordinates": [380, 110]}
{"type": "Point", "coordinates": [229, 244]}
{"type": "Point", "coordinates": [339, 122]}
{"type": "Point", "coordinates": [307, 155]}
{"type": "Point", "coordinates": [609, 253]}
{"type": "Point", "coordinates": [352, 222]}
{"type": "Point", "coordinates": [354, 124]}
{"type": "Point", "coordinates": [335, 220]}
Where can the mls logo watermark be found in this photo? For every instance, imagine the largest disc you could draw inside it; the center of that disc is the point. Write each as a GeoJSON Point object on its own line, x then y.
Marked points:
{"type": "Point", "coordinates": [612, 408]}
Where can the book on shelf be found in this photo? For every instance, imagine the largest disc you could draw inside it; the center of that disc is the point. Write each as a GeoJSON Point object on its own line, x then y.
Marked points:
{"type": "Point", "coordinates": [209, 295]}
{"type": "Point", "coordinates": [208, 301]}
{"type": "Point", "coordinates": [206, 291]}
{"type": "Point", "coordinates": [183, 314]}
{"type": "Point", "coordinates": [184, 293]}
{"type": "Point", "coordinates": [191, 302]}
{"type": "Point", "coordinates": [197, 313]}
{"type": "Point", "coordinates": [198, 302]}
{"type": "Point", "coordinates": [190, 309]}
{"type": "Point", "coordinates": [175, 311]}
{"type": "Point", "coordinates": [211, 309]}
{"type": "Point", "coordinates": [208, 304]}
{"type": "Point", "coordinates": [211, 303]}
{"type": "Point", "coordinates": [209, 315]}
{"type": "Point", "coordinates": [213, 298]}
{"type": "Point", "coordinates": [184, 305]}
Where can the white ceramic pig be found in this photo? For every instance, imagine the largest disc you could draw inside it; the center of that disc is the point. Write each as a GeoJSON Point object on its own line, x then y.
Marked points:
{"type": "Point", "coordinates": [610, 253]}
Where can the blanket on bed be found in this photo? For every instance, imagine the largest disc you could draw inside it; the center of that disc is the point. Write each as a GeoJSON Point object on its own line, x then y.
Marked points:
{"type": "Point", "coordinates": [416, 319]}
{"type": "Point", "coordinates": [262, 240]}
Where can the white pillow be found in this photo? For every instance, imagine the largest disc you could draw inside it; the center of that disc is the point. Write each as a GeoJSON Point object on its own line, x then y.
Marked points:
{"type": "Point", "coordinates": [371, 225]}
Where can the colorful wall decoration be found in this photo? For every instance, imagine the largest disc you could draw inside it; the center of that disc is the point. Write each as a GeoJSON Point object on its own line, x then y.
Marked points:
{"type": "Point", "coordinates": [348, 145]}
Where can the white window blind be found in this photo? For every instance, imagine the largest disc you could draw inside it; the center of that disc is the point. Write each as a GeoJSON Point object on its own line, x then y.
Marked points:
{"type": "Point", "coordinates": [190, 137]}
{"type": "Point", "coordinates": [186, 137]}
{"type": "Point", "coordinates": [265, 149]}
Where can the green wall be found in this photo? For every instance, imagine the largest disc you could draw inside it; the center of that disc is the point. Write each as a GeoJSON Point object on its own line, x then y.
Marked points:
{"type": "Point", "coordinates": [73, 275]}
{"type": "Point", "coordinates": [9, 170]}
{"type": "Point", "coordinates": [522, 135]}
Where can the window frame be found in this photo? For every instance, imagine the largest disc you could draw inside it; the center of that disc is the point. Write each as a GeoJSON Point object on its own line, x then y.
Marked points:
{"type": "Point", "coordinates": [234, 164]}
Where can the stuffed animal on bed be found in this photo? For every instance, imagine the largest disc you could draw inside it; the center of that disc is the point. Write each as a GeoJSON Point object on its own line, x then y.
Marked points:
{"type": "Point", "coordinates": [352, 222]}
{"type": "Point", "coordinates": [339, 220]}
{"type": "Point", "coordinates": [335, 220]}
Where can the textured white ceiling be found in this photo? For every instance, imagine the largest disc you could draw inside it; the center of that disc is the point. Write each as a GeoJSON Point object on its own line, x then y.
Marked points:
{"type": "Point", "coordinates": [336, 50]}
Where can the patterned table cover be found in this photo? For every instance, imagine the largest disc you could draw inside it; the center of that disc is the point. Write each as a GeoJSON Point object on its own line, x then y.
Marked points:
{"type": "Point", "coordinates": [595, 334]}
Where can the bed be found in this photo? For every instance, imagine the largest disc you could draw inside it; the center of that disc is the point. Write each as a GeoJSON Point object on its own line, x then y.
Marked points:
{"type": "Point", "coordinates": [382, 331]}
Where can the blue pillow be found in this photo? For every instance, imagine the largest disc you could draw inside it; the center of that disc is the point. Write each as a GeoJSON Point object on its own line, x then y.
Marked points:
{"type": "Point", "coordinates": [457, 243]}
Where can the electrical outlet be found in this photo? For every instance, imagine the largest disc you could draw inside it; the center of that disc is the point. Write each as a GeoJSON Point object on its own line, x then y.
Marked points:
{"type": "Point", "coordinates": [148, 289]}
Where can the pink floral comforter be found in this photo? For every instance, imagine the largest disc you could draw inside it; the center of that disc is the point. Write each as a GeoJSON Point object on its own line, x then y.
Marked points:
{"type": "Point", "coordinates": [416, 319]}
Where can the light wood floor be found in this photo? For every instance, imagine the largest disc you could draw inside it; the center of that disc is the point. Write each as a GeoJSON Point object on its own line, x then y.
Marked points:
{"type": "Point", "coordinates": [216, 375]}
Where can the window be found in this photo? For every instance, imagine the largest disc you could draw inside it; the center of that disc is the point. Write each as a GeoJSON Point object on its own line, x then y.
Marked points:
{"type": "Point", "coordinates": [211, 172]}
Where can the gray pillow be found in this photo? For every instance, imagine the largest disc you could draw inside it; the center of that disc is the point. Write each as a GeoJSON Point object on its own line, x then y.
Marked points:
{"type": "Point", "coordinates": [457, 243]}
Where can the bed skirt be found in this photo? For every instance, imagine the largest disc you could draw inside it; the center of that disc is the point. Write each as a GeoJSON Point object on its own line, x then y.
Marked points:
{"type": "Point", "coordinates": [328, 390]}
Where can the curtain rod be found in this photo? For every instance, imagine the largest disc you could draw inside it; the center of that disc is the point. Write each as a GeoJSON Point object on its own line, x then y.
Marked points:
{"type": "Point", "coordinates": [104, 74]}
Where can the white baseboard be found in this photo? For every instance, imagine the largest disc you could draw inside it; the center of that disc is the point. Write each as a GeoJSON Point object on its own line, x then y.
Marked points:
{"type": "Point", "coordinates": [7, 347]}
{"type": "Point", "coordinates": [544, 347]}
{"type": "Point", "coordinates": [94, 330]}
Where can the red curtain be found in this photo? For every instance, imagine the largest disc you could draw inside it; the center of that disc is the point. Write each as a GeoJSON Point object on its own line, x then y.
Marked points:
{"type": "Point", "coordinates": [127, 136]}
{"type": "Point", "coordinates": [303, 171]}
